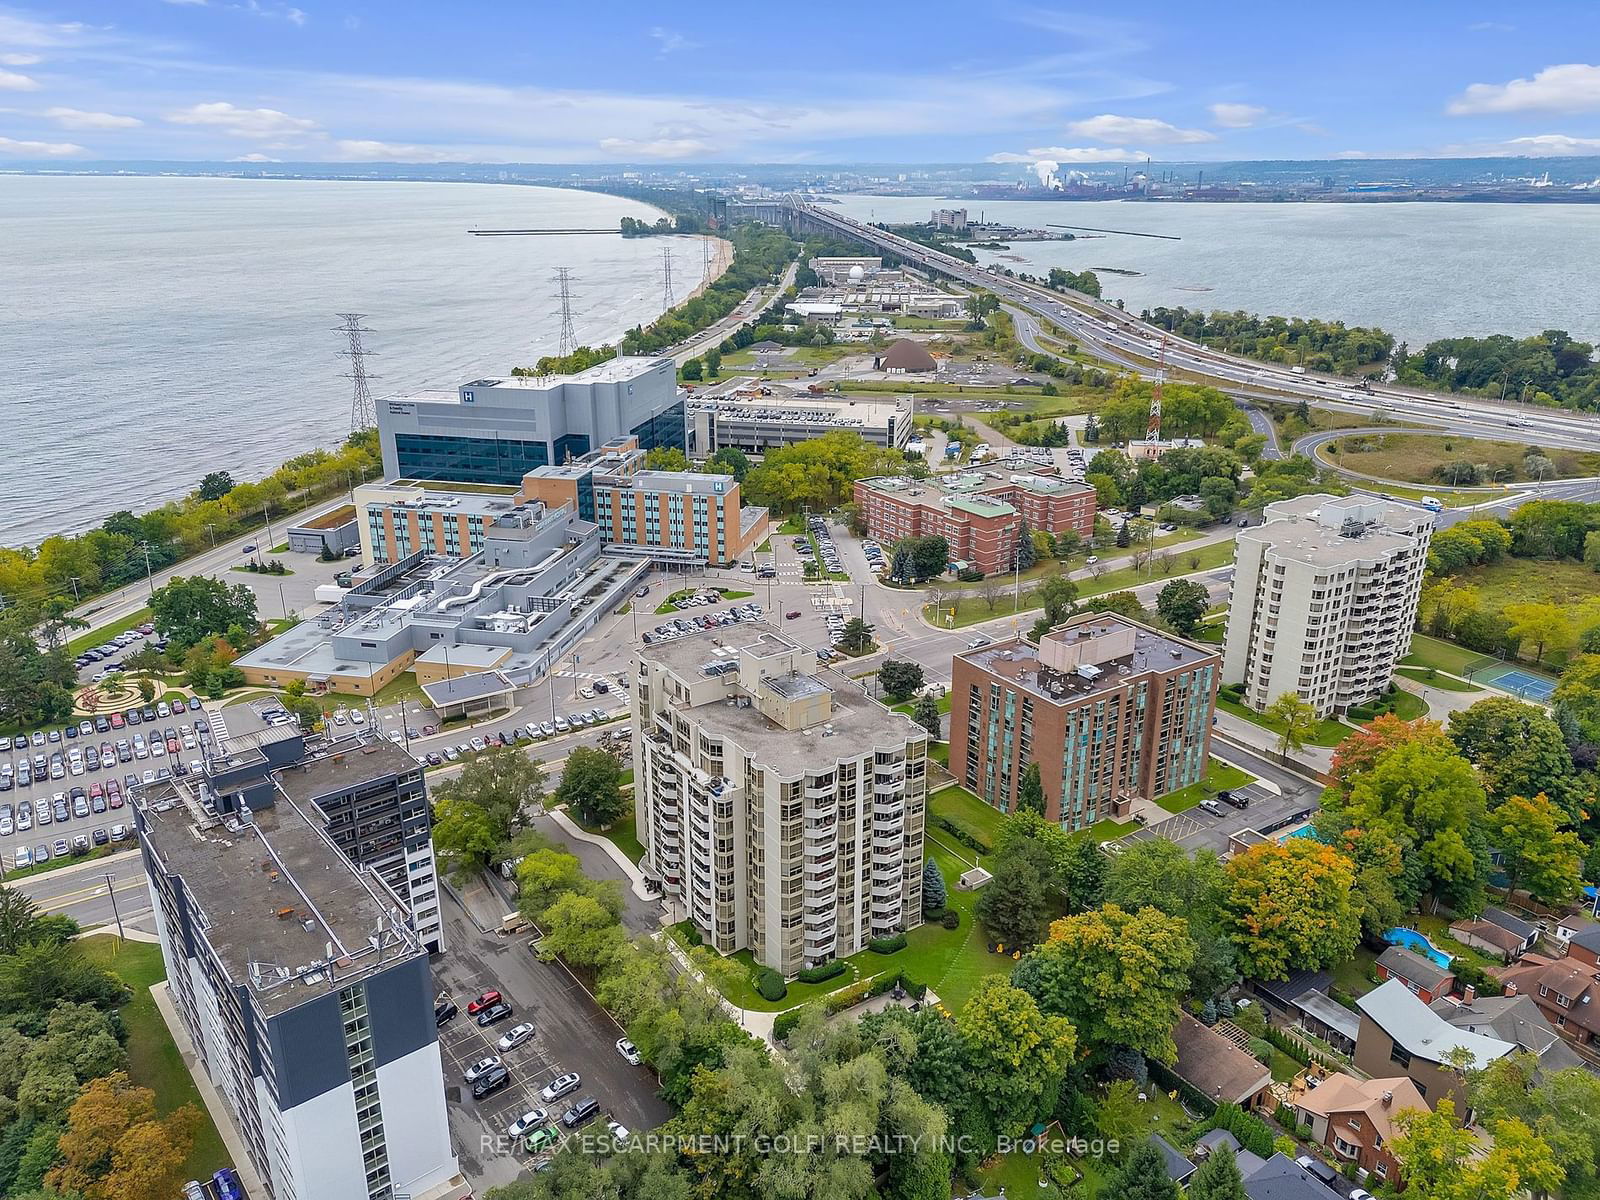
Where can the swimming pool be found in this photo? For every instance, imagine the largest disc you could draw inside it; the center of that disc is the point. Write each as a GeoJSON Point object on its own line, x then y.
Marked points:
{"type": "Point", "coordinates": [1412, 940]}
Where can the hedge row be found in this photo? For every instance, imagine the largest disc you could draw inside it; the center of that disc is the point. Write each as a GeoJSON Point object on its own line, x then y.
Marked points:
{"type": "Point", "coordinates": [822, 973]}
{"type": "Point", "coordinates": [887, 945]}
{"type": "Point", "coordinates": [1296, 1051]}
{"type": "Point", "coordinates": [849, 997]}
{"type": "Point", "coordinates": [961, 835]}
{"type": "Point", "coordinates": [1254, 1134]}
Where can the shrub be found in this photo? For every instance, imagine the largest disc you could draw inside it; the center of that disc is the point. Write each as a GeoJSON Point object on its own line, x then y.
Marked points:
{"type": "Point", "coordinates": [849, 997]}
{"type": "Point", "coordinates": [969, 575]}
{"type": "Point", "coordinates": [887, 945]}
{"type": "Point", "coordinates": [1253, 1133]}
{"type": "Point", "coordinates": [785, 1023]}
{"type": "Point", "coordinates": [1261, 1049]}
{"type": "Point", "coordinates": [962, 836]}
{"type": "Point", "coordinates": [951, 919]}
{"type": "Point", "coordinates": [823, 971]}
{"type": "Point", "coordinates": [770, 984]}
{"type": "Point", "coordinates": [693, 937]}
{"type": "Point", "coordinates": [934, 914]}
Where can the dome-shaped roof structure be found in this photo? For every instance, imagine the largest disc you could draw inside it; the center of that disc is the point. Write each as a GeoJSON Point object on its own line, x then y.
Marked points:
{"type": "Point", "coordinates": [906, 355]}
{"type": "Point", "coordinates": [857, 273]}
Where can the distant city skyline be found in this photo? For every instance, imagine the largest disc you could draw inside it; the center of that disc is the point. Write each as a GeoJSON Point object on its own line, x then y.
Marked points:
{"type": "Point", "coordinates": [501, 80]}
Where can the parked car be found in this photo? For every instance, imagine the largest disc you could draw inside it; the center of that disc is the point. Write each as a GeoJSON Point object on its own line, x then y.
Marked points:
{"type": "Point", "coordinates": [445, 1012]}
{"type": "Point", "coordinates": [629, 1051]}
{"type": "Point", "coordinates": [527, 1122]}
{"type": "Point", "coordinates": [495, 1012]}
{"type": "Point", "coordinates": [561, 1085]}
{"type": "Point", "coordinates": [515, 1036]}
{"type": "Point", "coordinates": [484, 1001]}
{"type": "Point", "coordinates": [491, 1081]}
{"type": "Point", "coordinates": [481, 1068]}
{"type": "Point", "coordinates": [542, 1139]}
{"type": "Point", "coordinates": [580, 1113]}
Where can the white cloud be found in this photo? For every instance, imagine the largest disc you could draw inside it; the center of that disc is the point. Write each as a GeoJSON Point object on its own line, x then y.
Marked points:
{"type": "Point", "coordinates": [1071, 154]}
{"type": "Point", "coordinates": [1237, 116]}
{"type": "Point", "coordinates": [295, 16]}
{"type": "Point", "coordinates": [38, 149]}
{"type": "Point", "coordinates": [253, 158]}
{"type": "Point", "coordinates": [1109, 128]}
{"type": "Point", "coordinates": [367, 150]}
{"type": "Point", "coordinates": [13, 81]}
{"type": "Point", "coordinates": [241, 122]}
{"type": "Point", "coordinates": [1351, 154]}
{"type": "Point", "coordinates": [1553, 144]}
{"type": "Point", "coordinates": [661, 147]}
{"type": "Point", "coordinates": [1568, 88]}
{"type": "Point", "coordinates": [76, 118]}
{"type": "Point", "coordinates": [670, 41]}
{"type": "Point", "coordinates": [19, 60]}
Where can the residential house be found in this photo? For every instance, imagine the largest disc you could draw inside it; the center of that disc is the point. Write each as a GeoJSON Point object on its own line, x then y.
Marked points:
{"type": "Point", "coordinates": [1218, 1069]}
{"type": "Point", "coordinates": [1425, 978]}
{"type": "Point", "coordinates": [1568, 928]}
{"type": "Point", "coordinates": [1355, 1118]}
{"type": "Point", "coordinates": [1178, 1167]}
{"type": "Point", "coordinates": [1489, 938]}
{"type": "Point", "coordinates": [1211, 1141]}
{"type": "Point", "coordinates": [1584, 946]}
{"type": "Point", "coordinates": [1302, 999]}
{"type": "Point", "coordinates": [1564, 991]}
{"type": "Point", "coordinates": [1281, 1178]}
{"type": "Point", "coordinates": [1515, 1019]}
{"type": "Point", "coordinates": [1399, 1030]}
{"type": "Point", "coordinates": [1526, 930]}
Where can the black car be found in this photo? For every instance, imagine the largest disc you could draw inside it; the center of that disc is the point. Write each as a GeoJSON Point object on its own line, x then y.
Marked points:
{"type": "Point", "coordinates": [1237, 801]}
{"type": "Point", "coordinates": [132, 717]}
{"type": "Point", "coordinates": [491, 1080]}
{"type": "Point", "coordinates": [149, 713]}
{"type": "Point", "coordinates": [580, 1113]}
{"type": "Point", "coordinates": [498, 1011]}
{"type": "Point", "coordinates": [101, 837]}
{"type": "Point", "coordinates": [444, 1013]}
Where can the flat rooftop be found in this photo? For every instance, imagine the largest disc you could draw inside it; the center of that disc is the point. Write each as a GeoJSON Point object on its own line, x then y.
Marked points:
{"type": "Point", "coordinates": [350, 762]}
{"type": "Point", "coordinates": [803, 407]}
{"type": "Point", "coordinates": [1321, 546]}
{"type": "Point", "coordinates": [613, 370]}
{"type": "Point", "coordinates": [1018, 661]}
{"type": "Point", "coordinates": [276, 895]}
{"type": "Point", "coordinates": [857, 725]}
{"type": "Point", "coordinates": [440, 497]}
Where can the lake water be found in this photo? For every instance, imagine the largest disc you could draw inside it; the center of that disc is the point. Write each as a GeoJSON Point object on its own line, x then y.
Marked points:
{"type": "Point", "coordinates": [1421, 271]}
{"type": "Point", "coordinates": [154, 329]}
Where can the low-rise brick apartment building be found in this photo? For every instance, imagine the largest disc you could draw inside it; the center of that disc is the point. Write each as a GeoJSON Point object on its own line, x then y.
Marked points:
{"type": "Point", "coordinates": [1107, 706]}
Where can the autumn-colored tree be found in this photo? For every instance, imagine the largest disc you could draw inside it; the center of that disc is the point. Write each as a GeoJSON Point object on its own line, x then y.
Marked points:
{"type": "Point", "coordinates": [115, 1147]}
{"type": "Point", "coordinates": [1442, 1160]}
{"type": "Point", "coordinates": [1361, 749]}
{"type": "Point", "coordinates": [1292, 906]}
{"type": "Point", "coordinates": [1116, 975]}
{"type": "Point", "coordinates": [1537, 852]}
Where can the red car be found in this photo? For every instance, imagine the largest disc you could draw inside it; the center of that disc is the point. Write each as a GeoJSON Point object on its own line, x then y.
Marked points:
{"type": "Point", "coordinates": [484, 1001]}
{"type": "Point", "coordinates": [792, 616]}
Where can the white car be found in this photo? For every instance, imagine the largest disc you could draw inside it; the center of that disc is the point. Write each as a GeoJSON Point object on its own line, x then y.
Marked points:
{"type": "Point", "coordinates": [516, 1036]}
{"type": "Point", "coordinates": [527, 1123]}
{"type": "Point", "coordinates": [560, 1086]}
{"type": "Point", "coordinates": [629, 1051]}
{"type": "Point", "coordinates": [587, 693]}
{"type": "Point", "coordinates": [619, 1131]}
{"type": "Point", "coordinates": [24, 857]}
{"type": "Point", "coordinates": [356, 718]}
{"type": "Point", "coordinates": [481, 1067]}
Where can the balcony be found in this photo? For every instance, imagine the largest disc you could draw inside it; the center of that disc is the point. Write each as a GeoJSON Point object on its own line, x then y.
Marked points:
{"type": "Point", "coordinates": [883, 889]}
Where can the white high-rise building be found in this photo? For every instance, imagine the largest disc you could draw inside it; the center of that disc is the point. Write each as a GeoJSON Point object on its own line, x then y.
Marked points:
{"type": "Point", "coordinates": [780, 807]}
{"type": "Point", "coordinates": [1325, 595]}
{"type": "Point", "coordinates": [306, 994]}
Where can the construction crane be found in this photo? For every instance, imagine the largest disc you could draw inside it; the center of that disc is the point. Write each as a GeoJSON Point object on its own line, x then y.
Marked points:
{"type": "Point", "coordinates": [1154, 431]}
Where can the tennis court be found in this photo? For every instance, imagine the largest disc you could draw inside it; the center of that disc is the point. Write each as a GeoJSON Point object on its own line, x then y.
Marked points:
{"type": "Point", "coordinates": [1519, 682]}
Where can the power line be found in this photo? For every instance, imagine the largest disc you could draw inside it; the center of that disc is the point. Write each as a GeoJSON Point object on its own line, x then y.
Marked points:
{"type": "Point", "coordinates": [363, 415]}
{"type": "Point", "coordinates": [666, 277]}
{"type": "Point", "coordinates": [569, 339]}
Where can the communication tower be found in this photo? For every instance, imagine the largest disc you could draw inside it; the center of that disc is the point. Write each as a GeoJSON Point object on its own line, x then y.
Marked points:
{"type": "Point", "coordinates": [1155, 393]}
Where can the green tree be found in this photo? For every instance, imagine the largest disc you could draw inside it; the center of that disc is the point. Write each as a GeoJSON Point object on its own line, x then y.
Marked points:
{"type": "Point", "coordinates": [1015, 905]}
{"type": "Point", "coordinates": [502, 781]}
{"type": "Point", "coordinates": [857, 636]}
{"type": "Point", "coordinates": [591, 785]}
{"type": "Point", "coordinates": [1158, 873]}
{"type": "Point", "coordinates": [693, 370]}
{"type": "Point", "coordinates": [1536, 852]}
{"type": "Point", "coordinates": [1544, 625]}
{"type": "Point", "coordinates": [666, 458]}
{"type": "Point", "coordinates": [1182, 603]}
{"type": "Point", "coordinates": [190, 609]}
{"type": "Point", "coordinates": [934, 896]}
{"type": "Point", "coordinates": [1117, 976]}
{"type": "Point", "coordinates": [1018, 1053]}
{"type": "Point", "coordinates": [1562, 1107]}
{"type": "Point", "coordinates": [1218, 1178]}
{"type": "Point", "coordinates": [1143, 1176]}
{"type": "Point", "coordinates": [1443, 1160]}
{"type": "Point", "coordinates": [900, 678]}
{"type": "Point", "coordinates": [1296, 721]}
{"type": "Point", "coordinates": [1518, 750]}
{"type": "Point", "coordinates": [1578, 694]}
{"type": "Point", "coordinates": [582, 930]}
{"type": "Point", "coordinates": [925, 712]}
{"type": "Point", "coordinates": [464, 835]}
{"type": "Point", "coordinates": [729, 461]}
{"type": "Point", "coordinates": [215, 485]}
{"type": "Point", "coordinates": [1291, 906]}
{"type": "Point", "coordinates": [1027, 554]}
{"type": "Point", "coordinates": [1030, 791]}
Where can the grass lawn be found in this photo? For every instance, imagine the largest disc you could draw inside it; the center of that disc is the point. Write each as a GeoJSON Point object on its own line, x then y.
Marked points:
{"type": "Point", "coordinates": [403, 686]}
{"type": "Point", "coordinates": [967, 812]}
{"type": "Point", "coordinates": [624, 835]}
{"type": "Point", "coordinates": [1108, 830]}
{"type": "Point", "coordinates": [1431, 677]}
{"type": "Point", "coordinates": [1219, 775]}
{"type": "Point", "coordinates": [1437, 930]}
{"type": "Point", "coordinates": [153, 1058]}
{"type": "Point", "coordinates": [1515, 580]}
{"type": "Point", "coordinates": [794, 523]}
{"type": "Point", "coordinates": [1328, 732]}
{"type": "Point", "coordinates": [1353, 977]}
{"type": "Point", "coordinates": [940, 753]}
{"type": "Point", "coordinates": [944, 705]}
{"type": "Point", "coordinates": [1409, 706]}
{"type": "Point", "coordinates": [1413, 457]}
{"type": "Point", "coordinates": [105, 633]}
{"type": "Point", "coordinates": [1435, 652]}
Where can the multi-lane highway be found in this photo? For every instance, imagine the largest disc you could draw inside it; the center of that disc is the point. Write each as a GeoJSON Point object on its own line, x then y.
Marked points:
{"type": "Point", "coordinates": [1122, 340]}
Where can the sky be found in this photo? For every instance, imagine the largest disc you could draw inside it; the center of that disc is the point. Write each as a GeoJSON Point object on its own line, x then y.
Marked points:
{"type": "Point", "coordinates": [550, 81]}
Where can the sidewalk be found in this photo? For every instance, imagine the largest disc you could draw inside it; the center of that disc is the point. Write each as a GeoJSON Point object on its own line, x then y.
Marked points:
{"type": "Point", "coordinates": [1265, 742]}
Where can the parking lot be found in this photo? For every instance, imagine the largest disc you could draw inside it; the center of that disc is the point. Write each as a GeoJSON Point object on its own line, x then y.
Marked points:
{"type": "Point", "coordinates": [572, 1033]}
{"type": "Point", "coordinates": [1195, 828]}
{"type": "Point", "coordinates": [79, 799]}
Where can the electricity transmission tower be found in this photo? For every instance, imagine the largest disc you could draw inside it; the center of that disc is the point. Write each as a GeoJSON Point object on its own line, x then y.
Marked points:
{"type": "Point", "coordinates": [666, 277]}
{"type": "Point", "coordinates": [569, 339]}
{"type": "Point", "coordinates": [705, 260]}
{"type": "Point", "coordinates": [363, 415]}
{"type": "Point", "coordinates": [1154, 429]}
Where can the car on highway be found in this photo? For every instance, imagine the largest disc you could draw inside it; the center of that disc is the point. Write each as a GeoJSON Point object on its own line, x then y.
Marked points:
{"type": "Point", "coordinates": [480, 1068]}
{"type": "Point", "coordinates": [515, 1036]}
{"type": "Point", "coordinates": [561, 1085]}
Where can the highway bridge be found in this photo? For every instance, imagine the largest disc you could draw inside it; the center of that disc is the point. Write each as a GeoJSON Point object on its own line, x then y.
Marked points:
{"type": "Point", "coordinates": [1121, 340]}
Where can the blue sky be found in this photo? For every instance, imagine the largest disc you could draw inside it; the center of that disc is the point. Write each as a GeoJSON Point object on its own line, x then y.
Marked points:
{"type": "Point", "coordinates": [618, 81]}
